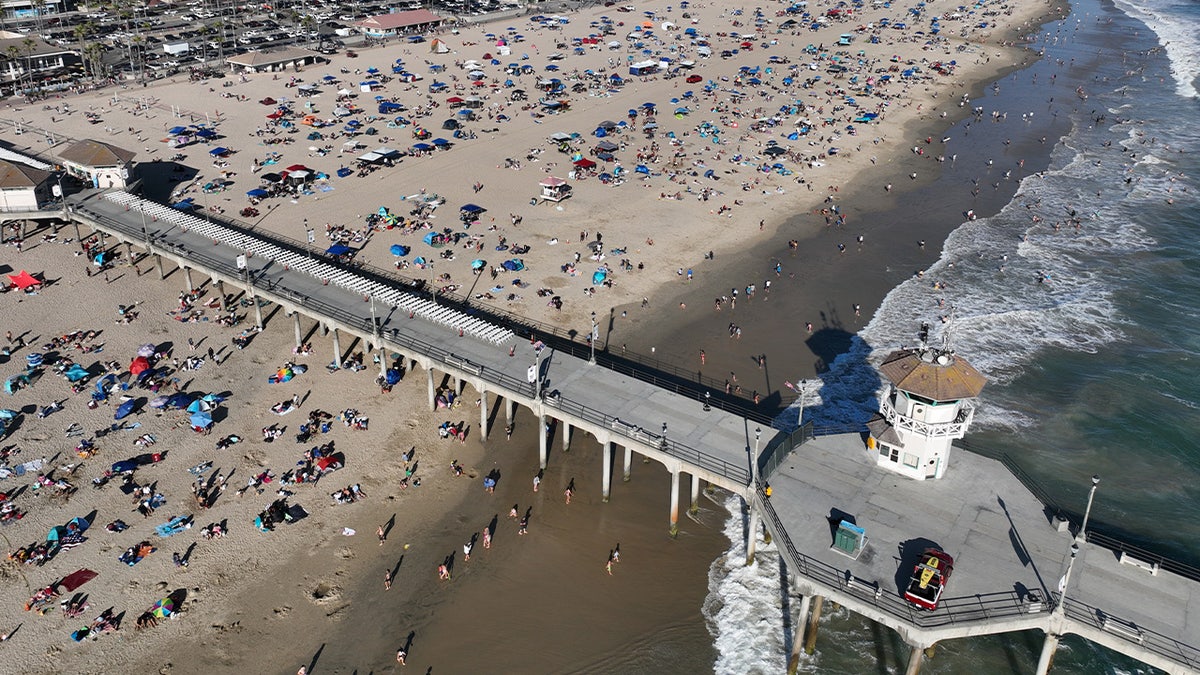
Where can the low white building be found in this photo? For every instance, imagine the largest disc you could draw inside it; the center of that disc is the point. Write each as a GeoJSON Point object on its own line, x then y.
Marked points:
{"type": "Point", "coordinates": [926, 408]}
{"type": "Point", "coordinates": [99, 164]}
{"type": "Point", "coordinates": [23, 188]}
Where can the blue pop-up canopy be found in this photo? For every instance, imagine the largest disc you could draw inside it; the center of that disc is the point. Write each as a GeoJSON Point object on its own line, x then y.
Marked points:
{"type": "Point", "coordinates": [218, 152]}
{"type": "Point", "coordinates": [338, 249]}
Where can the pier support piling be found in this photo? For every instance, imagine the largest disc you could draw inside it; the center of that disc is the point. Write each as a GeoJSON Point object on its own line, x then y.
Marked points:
{"type": "Point", "coordinates": [337, 347]}
{"type": "Point", "coordinates": [483, 412]}
{"type": "Point", "coordinates": [221, 292]}
{"type": "Point", "coordinates": [1046, 660]}
{"type": "Point", "coordinates": [162, 274]}
{"type": "Point", "coordinates": [607, 478]}
{"type": "Point", "coordinates": [543, 444]}
{"type": "Point", "coordinates": [798, 637]}
{"type": "Point", "coordinates": [752, 536]}
{"type": "Point", "coordinates": [299, 329]}
{"type": "Point", "coordinates": [674, 501]}
{"type": "Point", "coordinates": [510, 409]}
{"type": "Point", "coordinates": [814, 620]}
{"type": "Point", "coordinates": [187, 279]}
{"type": "Point", "coordinates": [566, 436]}
{"type": "Point", "coordinates": [914, 661]}
{"type": "Point", "coordinates": [695, 506]}
{"type": "Point", "coordinates": [628, 463]}
{"type": "Point", "coordinates": [429, 388]}
{"type": "Point", "coordinates": [258, 317]}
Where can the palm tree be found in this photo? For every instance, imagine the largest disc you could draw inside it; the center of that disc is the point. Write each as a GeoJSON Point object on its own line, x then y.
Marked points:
{"type": "Point", "coordinates": [219, 27]}
{"type": "Point", "coordinates": [29, 44]}
{"type": "Point", "coordinates": [307, 23]}
{"type": "Point", "coordinates": [93, 55]}
{"type": "Point", "coordinates": [13, 54]}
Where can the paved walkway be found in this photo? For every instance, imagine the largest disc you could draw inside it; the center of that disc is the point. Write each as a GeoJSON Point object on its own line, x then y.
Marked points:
{"type": "Point", "coordinates": [716, 440]}
{"type": "Point", "coordinates": [1002, 541]}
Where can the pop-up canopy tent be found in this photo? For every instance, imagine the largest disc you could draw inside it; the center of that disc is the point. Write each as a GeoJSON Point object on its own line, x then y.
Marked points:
{"type": "Point", "coordinates": [24, 280]}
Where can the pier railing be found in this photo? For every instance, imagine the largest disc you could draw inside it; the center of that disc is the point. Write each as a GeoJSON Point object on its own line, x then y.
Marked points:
{"type": "Point", "coordinates": [735, 473]}
{"type": "Point", "coordinates": [684, 382]}
{"type": "Point", "coordinates": [1152, 641]}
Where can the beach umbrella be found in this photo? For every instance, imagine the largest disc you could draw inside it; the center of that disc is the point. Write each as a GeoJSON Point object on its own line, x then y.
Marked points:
{"type": "Point", "coordinates": [139, 365]}
{"type": "Point", "coordinates": [163, 608]}
{"type": "Point", "coordinates": [212, 398]}
{"type": "Point", "coordinates": [159, 402]}
{"type": "Point", "coordinates": [125, 409]}
{"type": "Point", "coordinates": [201, 419]}
{"type": "Point", "coordinates": [399, 250]}
{"type": "Point", "coordinates": [199, 405]}
{"type": "Point", "coordinates": [258, 193]}
{"type": "Point", "coordinates": [180, 400]}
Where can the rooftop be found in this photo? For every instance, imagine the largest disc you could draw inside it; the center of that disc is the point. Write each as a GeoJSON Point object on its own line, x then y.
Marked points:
{"type": "Point", "coordinates": [935, 375]}
{"type": "Point", "coordinates": [13, 175]}
{"type": "Point", "coordinates": [414, 17]}
{"type": "Point", "coordinates": [96, 153]}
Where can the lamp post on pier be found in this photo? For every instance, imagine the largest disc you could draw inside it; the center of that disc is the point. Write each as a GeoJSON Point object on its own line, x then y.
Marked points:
{"type": "Point", "coordinates": [1060, 608]}
{"type": "Point", "coordinates": [754, 459]}
{"type": "Point", "coordinates": [592, 340]}
{"type": "Point", "coordinates": [1087, 513]}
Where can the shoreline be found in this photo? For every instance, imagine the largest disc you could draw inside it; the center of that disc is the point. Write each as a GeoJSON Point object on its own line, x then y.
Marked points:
{"type": "Point", "coordinates": [349, 608]}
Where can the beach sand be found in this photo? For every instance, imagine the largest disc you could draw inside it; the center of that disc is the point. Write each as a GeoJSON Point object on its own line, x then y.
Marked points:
{"type": "Point", "coordinates": [541, 602]}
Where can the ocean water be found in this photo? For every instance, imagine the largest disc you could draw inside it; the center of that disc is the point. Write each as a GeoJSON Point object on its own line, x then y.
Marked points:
{"type": "Point", "coordinates": [1086, 331]}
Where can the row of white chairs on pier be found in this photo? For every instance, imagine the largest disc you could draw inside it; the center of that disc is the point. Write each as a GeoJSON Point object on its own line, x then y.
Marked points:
{"type": "Point", "coordinates": [329, 274]}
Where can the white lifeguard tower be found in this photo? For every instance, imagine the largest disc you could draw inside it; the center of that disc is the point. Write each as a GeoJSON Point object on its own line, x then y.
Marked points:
{"type": "Point", "coordinates": [555, 189]}
{"type": "Point", "coordinates": [927, 406]}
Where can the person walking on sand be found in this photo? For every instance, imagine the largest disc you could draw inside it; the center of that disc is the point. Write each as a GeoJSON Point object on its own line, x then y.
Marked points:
{"type": "Point", "coordinates": [400, 654]}
{"type": "Point", "coordinates": [443, 573]}
{"type": "Point", "coordinates": [616, 553]}
{"type": "Point", "coordinates": [387, 580]}
{"type": "Point", "coordinates": [537, 480]}
{"type": "Point", "coordinates": [467, 549]}
{"type": "Point", "coordinates": [524, 525]}
{"type": "Point", "coordinates": [513, 513]}
{"type": "Point", "coordinates": [487, 537]}
{"type": "Point", "coordinates": [382, 535]}
{"type": "Point", "coordinates": [570, 490]}
{"type": "Point", "coordinates": [608, 565]}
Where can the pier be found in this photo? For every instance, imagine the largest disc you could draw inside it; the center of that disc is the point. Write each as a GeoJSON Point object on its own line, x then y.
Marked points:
{"type": "Point", "coordinates": [1010, 548]}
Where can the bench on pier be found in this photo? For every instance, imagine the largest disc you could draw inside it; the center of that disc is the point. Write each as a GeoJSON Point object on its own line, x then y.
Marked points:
{"type": "Point", "coordinates": [463, 363]}
{"type": "Point", "coordinates": [1150, 567]}
{"type": "Point", "coordinates": [1123, 628]}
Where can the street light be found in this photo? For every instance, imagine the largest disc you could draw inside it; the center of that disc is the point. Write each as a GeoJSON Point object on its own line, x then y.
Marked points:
{"type": "Point", "coordinates": [754, 459]}
{"type": "Point", "coordinates": [1087, 513]}
{"type": "Point", "coordinates": [1081, 537]}
{"type": "Point", "coordinates": [592, 340]}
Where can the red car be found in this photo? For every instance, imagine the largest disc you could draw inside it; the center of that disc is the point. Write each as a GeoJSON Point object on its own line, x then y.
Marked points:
{"type": "Point", "coordinates": [929, 579]}
{"type": "Point", "coordinates": [693, 79]}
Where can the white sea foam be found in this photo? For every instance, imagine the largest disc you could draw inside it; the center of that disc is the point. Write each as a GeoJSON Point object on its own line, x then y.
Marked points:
{"type": "Point", "coordinates": [993, 309]}
{"type": "Point", "coordinates": [744, 608]}
{"type": "Point", "coordinates": [1177, 33]}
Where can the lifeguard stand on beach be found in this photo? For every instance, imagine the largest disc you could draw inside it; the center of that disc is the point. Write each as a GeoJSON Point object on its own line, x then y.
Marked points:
{"type": "Point", "coordinates": [927, 406]}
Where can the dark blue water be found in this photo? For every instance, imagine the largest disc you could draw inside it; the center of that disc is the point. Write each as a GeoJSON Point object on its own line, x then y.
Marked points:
{"type": "Point", "coordinates": [1096, 369]}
